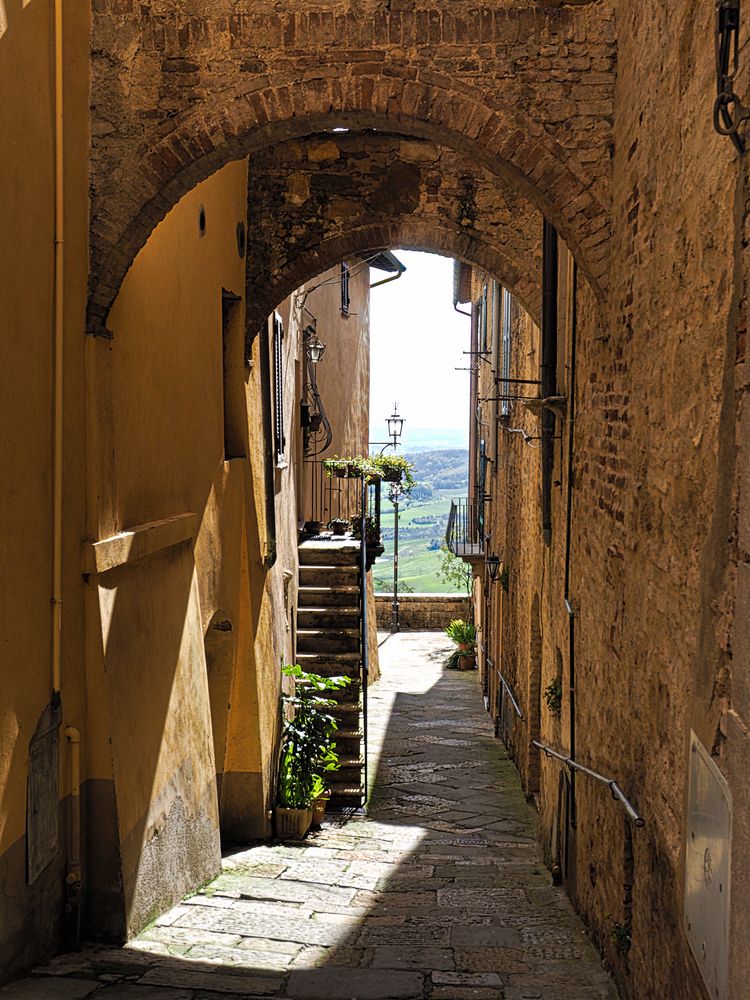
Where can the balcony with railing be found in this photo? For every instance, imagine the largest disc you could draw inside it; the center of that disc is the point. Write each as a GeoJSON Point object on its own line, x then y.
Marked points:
{"type": "Point", "coordinates": [464, 535]}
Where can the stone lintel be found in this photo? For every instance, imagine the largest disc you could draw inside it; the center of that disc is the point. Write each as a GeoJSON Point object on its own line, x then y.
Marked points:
{"type": "Point", "coordinates": [138, 542]}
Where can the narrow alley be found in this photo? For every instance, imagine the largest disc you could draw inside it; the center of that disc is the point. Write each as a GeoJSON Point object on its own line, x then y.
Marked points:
{"type": "Point", "coordinates": [383, 906]}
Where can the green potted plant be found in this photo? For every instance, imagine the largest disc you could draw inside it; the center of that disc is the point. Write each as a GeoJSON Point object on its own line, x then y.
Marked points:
{"type": "Point", "coordinates": [372, 529]}
{"type": "Point", "coordinates": [395, 469]}
{"type": "Point", "coordinates": [349, 468]}
{"type": "Point", "coordinates": [307, 749]}
{"type": "Point", "coordinates": [339, 525]}
{"type": "Point", "coordinates": [464, 634]}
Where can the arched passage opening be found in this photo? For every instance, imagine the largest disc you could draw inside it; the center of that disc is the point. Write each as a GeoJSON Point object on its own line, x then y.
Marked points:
{"type": "Point", "coordinates": [176, 96]}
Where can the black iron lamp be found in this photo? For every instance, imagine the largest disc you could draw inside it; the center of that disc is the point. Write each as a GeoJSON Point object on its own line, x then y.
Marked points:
{"type": "Point", "coordinates": [395, 425]}
{"type": "Point", "coordinates": [313, 346]}
{"type": "Point", "coordinates": [493, 566]}
{"type": "Point", "coordinates": [313, 420]}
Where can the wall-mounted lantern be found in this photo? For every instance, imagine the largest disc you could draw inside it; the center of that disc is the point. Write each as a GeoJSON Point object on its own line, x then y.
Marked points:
{"type": "Point", "coordinates": [313, 346]}
{"type": "Point", "coordinates": [493, 566]}
{"type": "Point", "coordinates": [317, 433]}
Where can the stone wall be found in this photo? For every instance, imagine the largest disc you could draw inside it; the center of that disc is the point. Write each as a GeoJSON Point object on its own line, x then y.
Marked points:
{"type": "Point", "coordinates": [177, 93]}
{"type": "Point", "coordinates": [420, 612]}
{"type": "Point", "coordinates": [312, 200]}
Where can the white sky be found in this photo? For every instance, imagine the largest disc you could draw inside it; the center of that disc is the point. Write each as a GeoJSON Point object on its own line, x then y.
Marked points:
{"type": "Point", "coordinates": [417, 340]}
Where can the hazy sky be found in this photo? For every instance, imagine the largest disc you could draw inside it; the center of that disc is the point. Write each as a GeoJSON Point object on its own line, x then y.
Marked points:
{"type": "Point", "coordinates": [417, 340]}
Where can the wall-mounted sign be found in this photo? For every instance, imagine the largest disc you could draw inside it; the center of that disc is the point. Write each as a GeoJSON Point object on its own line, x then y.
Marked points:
{"type": "Point", "coordinates": [707, 868]}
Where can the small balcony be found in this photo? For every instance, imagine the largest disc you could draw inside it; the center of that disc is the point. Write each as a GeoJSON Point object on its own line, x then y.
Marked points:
{"type": "Point", "coordinates": [464, 535]}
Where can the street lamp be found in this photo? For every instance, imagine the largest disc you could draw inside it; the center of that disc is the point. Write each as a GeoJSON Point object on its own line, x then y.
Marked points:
{"type": "Point", "coordinates": [394, 495]}
{"type": "Point", "coordinates": [395, 426]}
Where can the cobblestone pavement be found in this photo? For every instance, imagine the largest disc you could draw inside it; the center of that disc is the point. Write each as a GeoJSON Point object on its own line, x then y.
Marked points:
{"type": "Point", "coordinates": [438, 893]}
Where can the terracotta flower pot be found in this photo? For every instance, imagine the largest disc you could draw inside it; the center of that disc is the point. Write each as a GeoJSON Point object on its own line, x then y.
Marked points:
{"type": "Point", "coordinates": [467, 660]}
{"type": "Point", "coordinates": [292, 824]}
{"type": "Point", "coordinates": [319, 808]}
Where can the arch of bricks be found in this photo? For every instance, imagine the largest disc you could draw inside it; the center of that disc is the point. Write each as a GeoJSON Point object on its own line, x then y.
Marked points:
{"type": "Point", "coordinates": [312, 202]}
{"type": "Point", "coordinates": [178, 90]}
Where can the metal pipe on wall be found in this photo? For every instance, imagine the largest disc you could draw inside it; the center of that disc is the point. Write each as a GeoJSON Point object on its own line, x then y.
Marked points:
{"type": "Point", "coordinates": [549, 370]}
{"type": "Point", "coordinates": [568, 528]}
{"type": "Point", "coordinates": [58, 307]}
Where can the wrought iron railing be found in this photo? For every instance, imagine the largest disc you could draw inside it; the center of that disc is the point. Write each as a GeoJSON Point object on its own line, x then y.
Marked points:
{"type": "Point", "coordinates": [464, 535]}
{"type": "Point", "coordinates": [340, 498]}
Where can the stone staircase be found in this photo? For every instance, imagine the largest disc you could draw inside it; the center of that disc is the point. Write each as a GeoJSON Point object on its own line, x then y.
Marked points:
{"type": "Point", "coordinates": [328, 643]}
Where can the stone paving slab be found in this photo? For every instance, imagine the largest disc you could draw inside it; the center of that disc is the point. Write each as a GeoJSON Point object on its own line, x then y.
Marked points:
{"type": "Point", "coordinates": [439, 893]}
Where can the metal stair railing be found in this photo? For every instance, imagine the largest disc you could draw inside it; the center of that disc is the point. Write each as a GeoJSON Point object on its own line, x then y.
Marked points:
{"type": "Point", "coordinates": [364, 624]}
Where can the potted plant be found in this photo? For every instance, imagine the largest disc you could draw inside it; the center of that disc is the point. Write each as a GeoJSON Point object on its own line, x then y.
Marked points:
{"type": "Point", "coordinates": [321, 793]}
{"type": "Point", "coordinates": [307, 749]}
{"type": "Point", "coordinates": [372, 529]}
{"type": "Point", "coordinates": [464, 634]}
{"type": "Point", "coordinates": [339, 525]}
{"type": "Point", "coordinates": [395, 469]}
{"type": "Point", "coordinates": [350, 468]}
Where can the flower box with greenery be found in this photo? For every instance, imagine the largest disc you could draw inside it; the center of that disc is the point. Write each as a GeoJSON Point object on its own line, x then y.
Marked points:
{"type": "Point", "coordinates": [308, 750]}
{"type": "Point", "coordinates": [395, 469]}
{"type": "Point", "coordinates": [464, 634]}
{"type": "Point", "coordinates": [351, 468]}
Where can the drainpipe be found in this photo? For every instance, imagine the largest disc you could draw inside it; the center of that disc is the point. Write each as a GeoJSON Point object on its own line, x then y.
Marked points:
{"type": "Point", "coordinates": [549, 370]}
{"type": "Point", "coordinates": [58, 311]}
{"type": "Point", "coordinates": [568, 521]}
{"type": "Point", "coordinates": [385, 281]}
{"type": "Point", "coordinates": [73, 876]}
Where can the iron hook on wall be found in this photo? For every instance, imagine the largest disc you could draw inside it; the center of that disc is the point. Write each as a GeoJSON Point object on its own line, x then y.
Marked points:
{"type": "Point", "coordinates": [729, 111]}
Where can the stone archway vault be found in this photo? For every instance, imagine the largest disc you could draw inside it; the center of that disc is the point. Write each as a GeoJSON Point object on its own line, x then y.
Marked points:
{"type": "Point", "coordinates": [313, 202]}
{"type": "Point", "coordinates": [177, 92]}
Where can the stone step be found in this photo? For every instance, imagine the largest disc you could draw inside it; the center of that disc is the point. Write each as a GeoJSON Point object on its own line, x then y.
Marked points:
{"type": "Point", "coordinates": [342, 596]}
{"type": "Point", "coordinates": [351, 762]}
{"type": "Point", "coordinates": [348, 734]}
{"type": "Point", "coordinates": [327, 617]}
{"type": "Point", "coordinates": [329, 554]}
{"type": "Point", "coordinates": [342, 790]}
{"type": "Point", "coordinates": [328, 576]}
{"type": "Point", "coordinates": [332, 640]}
{"type": "Point", "coordinates": [332, 665]}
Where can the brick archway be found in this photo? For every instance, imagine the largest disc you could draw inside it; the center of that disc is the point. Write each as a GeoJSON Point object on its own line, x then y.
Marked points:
{"type": "Point", "coordinates": [410, 235]}
{"type": "Point", "coordinates": [525, 92]}
{"type": "Point", "coordinates": [314, 201]}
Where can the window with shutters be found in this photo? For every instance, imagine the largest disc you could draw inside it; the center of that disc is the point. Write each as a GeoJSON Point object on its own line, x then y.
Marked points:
{"type": "Point", "coordinates": [345, 300]}
{"type": "Point", "coordinates": [278, 379]}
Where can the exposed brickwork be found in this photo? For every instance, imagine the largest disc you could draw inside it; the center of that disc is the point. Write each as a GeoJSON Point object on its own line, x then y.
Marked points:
{"type": "Point", "coordinates": [176, 93]}
{"type": "Point", "coordinates": [313, 202]}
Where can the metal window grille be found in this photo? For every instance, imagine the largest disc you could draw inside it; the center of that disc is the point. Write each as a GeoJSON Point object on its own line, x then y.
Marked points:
{"type": "Point", "coordinates": [278, 377]}
{"type": "Point", "coordinates": [345, 299]}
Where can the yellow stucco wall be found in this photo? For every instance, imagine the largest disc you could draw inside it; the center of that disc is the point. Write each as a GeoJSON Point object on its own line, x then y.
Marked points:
{"type": "Point", "coordinates": [167, 405]}
{"type": "Point", "coordinates": [29, 915]}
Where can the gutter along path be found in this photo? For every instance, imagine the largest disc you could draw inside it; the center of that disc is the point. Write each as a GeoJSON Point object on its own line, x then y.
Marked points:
{"type": "Point", "coordinates": [439, 893]}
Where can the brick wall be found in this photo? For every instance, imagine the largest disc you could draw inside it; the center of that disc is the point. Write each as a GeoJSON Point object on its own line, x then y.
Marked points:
{"type": "Point", "coordinates": [178, 93]}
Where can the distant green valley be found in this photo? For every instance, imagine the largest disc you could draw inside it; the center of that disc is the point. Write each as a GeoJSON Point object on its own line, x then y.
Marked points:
{"type": "Point", "coordinates": [441, 475]}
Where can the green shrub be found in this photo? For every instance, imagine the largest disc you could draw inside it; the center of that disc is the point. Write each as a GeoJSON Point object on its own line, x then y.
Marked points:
{"type": "Point", "coordinates": [462, 633]}
{"type": "Point", "coordinates": [308, 748]}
